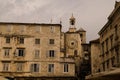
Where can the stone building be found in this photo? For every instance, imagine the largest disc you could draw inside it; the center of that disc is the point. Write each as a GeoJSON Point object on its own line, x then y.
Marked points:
{"type": "Point", "coordinates": [31, 51]}
{"type": "Point", "coordinates": [95, 56]}
{"type": "Point", "coordinates": [110, 40]}
{"type": "Point", "coordinates": [73, 40]}
{"type": "Point", "coordinates": [109, 48]}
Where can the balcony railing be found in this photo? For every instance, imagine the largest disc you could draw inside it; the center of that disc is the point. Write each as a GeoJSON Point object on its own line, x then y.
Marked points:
{"type": "Point", "coordinates": [67, 59]}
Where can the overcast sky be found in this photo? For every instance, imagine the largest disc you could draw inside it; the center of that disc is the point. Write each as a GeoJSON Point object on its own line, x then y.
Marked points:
{"type": "Point", "coordinates": [91, 15]}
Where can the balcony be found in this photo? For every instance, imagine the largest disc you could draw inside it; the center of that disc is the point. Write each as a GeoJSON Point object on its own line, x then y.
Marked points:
{"type": "Point", "coordinates": [62, 50]}
{"type": "Point", "coordinates": [67, 60]}
{"type": "Point", "coordinates": [19, 59]}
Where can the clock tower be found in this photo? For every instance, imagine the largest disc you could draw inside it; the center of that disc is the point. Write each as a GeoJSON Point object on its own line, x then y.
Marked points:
{"type": "Point", "coordinates": [72, 24]}
{"type": "Point", "coordinates": [72, 40]}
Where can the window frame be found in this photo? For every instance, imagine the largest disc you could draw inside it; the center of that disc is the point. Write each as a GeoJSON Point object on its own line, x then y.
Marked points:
{"type": "Point", "coordinates": [37, 54]}
{"type": "Point", "coordinates": [19, 67]}
{"type": "Point", "coordinates": [51, 53]}
{"type": "Point", "coordinates": [7, 40]}
{"type": "Point", "coordinates": [52, 29]}
{"type": "Point", "coordinates": [37, 29]}
{"type": "Point", "coordinates": [66, 67]}
{"type": "Point", "coordinates": [37, 41]}
{"type": "Point", "coordinates": [6, 66]}
{"type": "Point", "coordinates": [6, 52]}
{"type": "Point", "coordinates": [21, 40]}
{"type": "Point", "coordinates": [51, 68]}
{"type": "Point", "coordinates": [20, 52]}
{"type": "Point", "coordinates": [35, 67]}
{"type": "Point", "coordinates": [51, 41]}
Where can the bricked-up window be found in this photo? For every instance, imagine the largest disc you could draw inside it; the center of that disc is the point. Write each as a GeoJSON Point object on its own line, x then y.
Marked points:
{"type": "Point", "coordinates": [37, 29]}
{"type": "Point", "coordinates": [37, 41]}
{"type": "Point", "coordinates": [7, 39]}
{"type": "Point", "coordinates": [6, 66]}
{"type": "Point", "coordinates": [6, 52]}
{"type": "Point", "coordinates": [34, 67]}
{"type": "Point", "coordinates": [22, 28]}
{"type": "Point", "coordinates": [21, 40]}
{"type": "Point", "coordinates": [52, 29]}
{"type": "Point", "coordinates": [51, 41]}
{"type": "Point", "coordinates": [51, 53]}
{"type": "Point", "coordinates": [51, 68]}
{"type": "Point", "coordinates": [20, 52]}
{"type": "Point", "coordinates": [65, 67]}
{"type": "Point", "coordinates": [19, 67]}
{"type": "Point", "coordinates": [37, 54]}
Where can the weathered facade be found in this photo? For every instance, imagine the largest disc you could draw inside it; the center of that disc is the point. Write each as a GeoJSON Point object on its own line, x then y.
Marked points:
{"type": "Point", "coordinates": [109, 56]}
{"type": "Point", "coordinates": [110, 40]}
{"type": "Point", "coordinates": [33, 50]}
{"type": "Point", "coordinates": [95, 56]}
{"type": "Point", "coordinates": [39, 51]}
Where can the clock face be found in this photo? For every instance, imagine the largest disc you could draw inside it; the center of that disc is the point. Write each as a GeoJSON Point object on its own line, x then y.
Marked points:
{"type": "Point", "coordinates": [72, 43]}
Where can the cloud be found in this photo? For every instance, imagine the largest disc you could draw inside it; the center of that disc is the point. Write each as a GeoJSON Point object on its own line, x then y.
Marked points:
{"type": "Point", "coordinates": [91, 15]}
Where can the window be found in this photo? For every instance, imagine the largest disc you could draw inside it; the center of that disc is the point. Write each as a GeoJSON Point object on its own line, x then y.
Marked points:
{"type": "Point", "coordinates": [75, 53]}
{"type": "Point", "coordinates": [102, 47]}
{"type": "Point", "coordinates": [6, 52]}
{"type": "Point", "coordinates": [34, 67]}
{"type": "Point", "coordinates": [37, 29]}
{"type": "Point", "coordinates": [116, 32]}
{"type": "Point", "coordinates": [116, 28]}
{"type": "Point", "coordinates": [6, 66]}
{"type": "Point", "coordinates": [22, 28]}
{"type": "Point", "coordinates": [81, 35]}
{"type": "Point", "coordinates": [72, 43]}
{"type": "Point", "coordinates": [117, 55]}
{"type": "Point", "coordinates": [21, 40]}
{"type": "Point", "coordinates": [37, 54]}
{"type": "Point", "coordinates": [37, 41]}
{"type": "Point", "coordinates": [106, 44]}
{"type": "Point", "coordinates": [113, 61]}
{"type": "Point", "coordinates": [7, 39]}
{"type": "Point", "coordinates": [111, 40]}
{"type": "Point", "coordinates": [103, 66]}
{"type": "Point", "coordinates": [107, 63]}
{"type": "Point", "coordinates": [51, 68]}
{"type": "Point", "coordinates": [20, 52]}
{"type": "Point", "coordinates": [51, 41]}
{"type": "Point", "coordinates": [19, 67]}
{"type": "Point", "coordinates": [65, 67]}
{"type": "Point", "coordinates": [51, 29]}
{"type": "Point", "coordinates": [51, 53]}
{"type": "Point", "coordinates": [9, 28]}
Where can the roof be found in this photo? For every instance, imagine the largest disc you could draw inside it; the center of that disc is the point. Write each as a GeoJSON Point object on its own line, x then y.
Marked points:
{"type": "Point", "coordinates": [117, 5]}
{"type": "Point", "coordinates": [105, 74]}
{"type": "Point", "coordinates": [95, 41]}
{"type": "Point", "coordinates": [81, 30]}
{"type": "Point", "coordinates": [104, 28]}
{"type": "Point", "coordinates": [42, 24]}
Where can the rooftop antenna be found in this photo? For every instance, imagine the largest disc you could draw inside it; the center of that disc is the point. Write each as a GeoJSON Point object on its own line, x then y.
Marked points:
{"type": "Point", "coordinates": [51, 21]}
{"type": "Point", "coordinates": [60, 21]}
